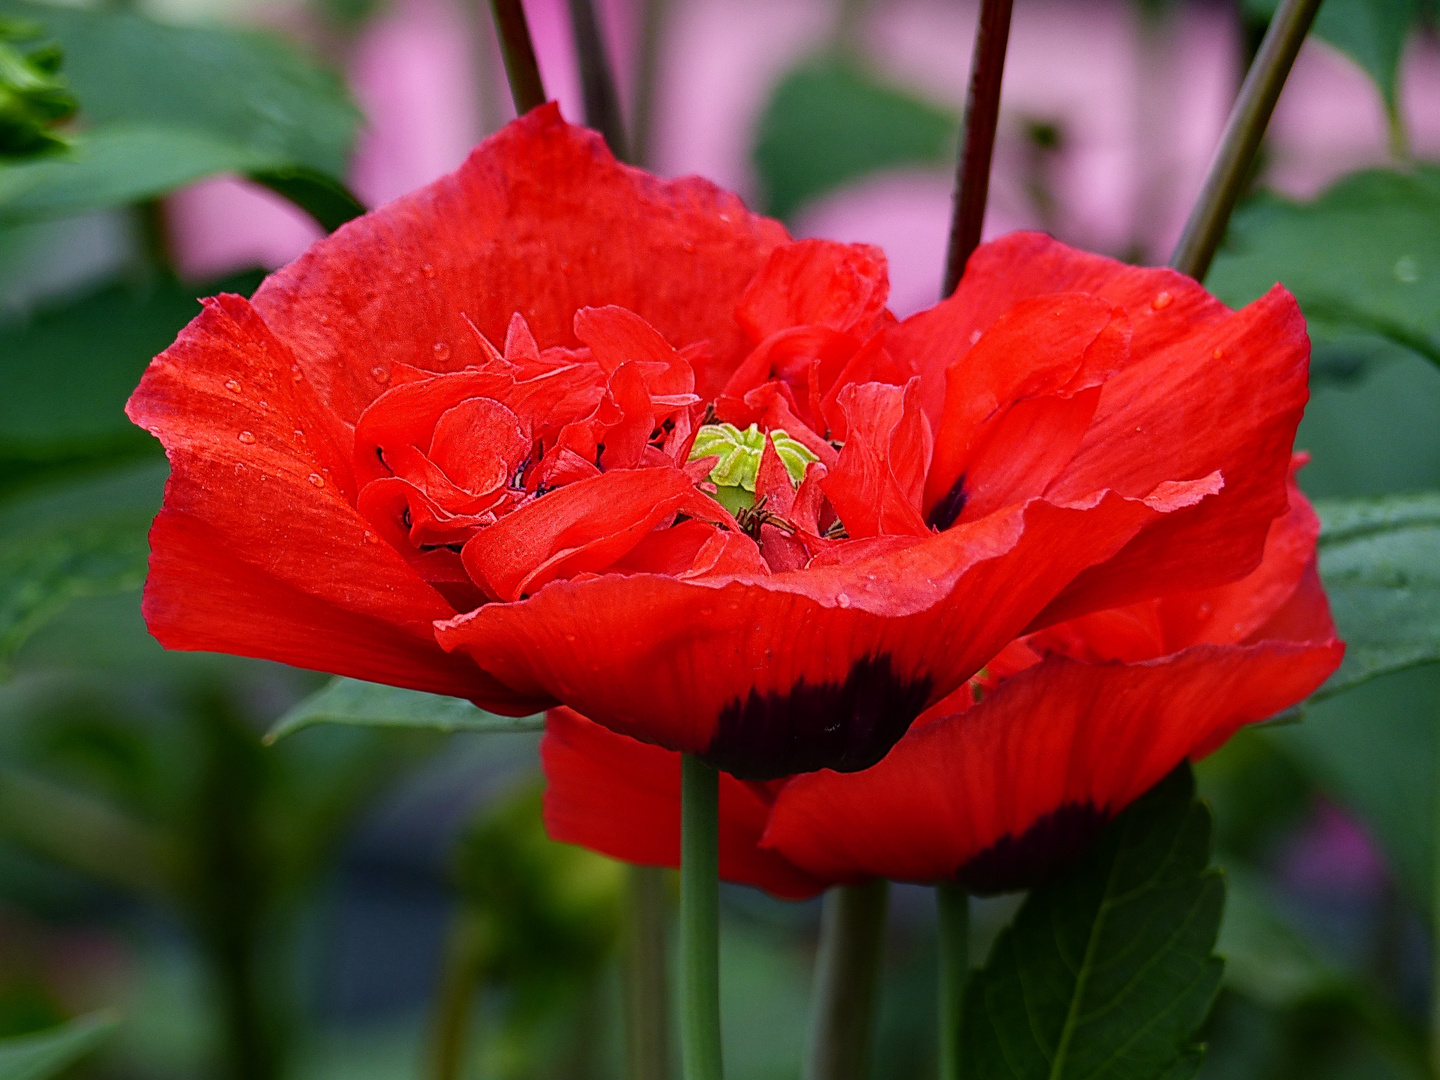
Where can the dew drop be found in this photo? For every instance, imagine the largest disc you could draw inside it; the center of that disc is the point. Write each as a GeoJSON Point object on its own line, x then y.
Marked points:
{"type": "Point", "coordinates": [369, 537]}
{"type": "Point", "coordinates": [239, 467]}
{"type": "Point", "coordinates": [295, 373]}
{"type": "Point", "coordinates": [842, 600]}
{"type": "Point", "coordinates": [1162, 301]}
{"type": "Point", "coordinates": [1217, 354]}
{"type": "Point", "coordinates": [442, 351]}
{"type": "Point", "coordinates": [317, 480]}
{"type": "Point", "coordinates": [428, 270]}
{"type": "Point", "coordinates": [246, 437]}
{"type": "Point", "coordinates": [264, 404]}
{"type": "Point", "coordinates": [380, 373]}
{"type": "Point", "coordinates": [299, 434]}
{"type": "Point", "coordinates": [974, 336]}
{"type": "Point", "coordinates": [569, 637]}
{"type": "Point", "coordinates": [324, 319]}
{"type": "Point", "coordinates": [232, 386]}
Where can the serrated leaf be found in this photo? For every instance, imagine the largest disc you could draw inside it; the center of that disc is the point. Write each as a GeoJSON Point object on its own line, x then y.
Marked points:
{"type": "Point", "coordinates": [162, 106]}
{"type": "Point", "coordinates": [70, 368]}
{"type": "Point", "coordinates": [1107, 973]}
{"type": "Point", "coordinates": [1363, 259]}
{"type": "Point", "coordinates": [49, 1053]}
{"type": "Point", "coordinates": [1370, 32]}
{"type": "Point", "coordinates": [84, 538]}
{"type": "Point", "coordinates": [829, 121]}
{"type": "Point", "coordinates": [1380, 562]}
{"type": "Point", "coordinates": [350, 701]}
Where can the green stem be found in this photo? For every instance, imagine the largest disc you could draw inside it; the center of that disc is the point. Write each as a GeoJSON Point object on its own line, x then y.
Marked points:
{"type": "Point", "coordinates": [1434, 1033]}
{"type": "Point", "coordinates": [977, 138]}
{"type": "Point", "coordinates": [954, 905]}
{"type": "Point", "coordinates": [699, 920]}
{"type": "Point", "coordinates": [519, 53]}
{"type": "Point", "coordinates": [455, 1002]}
{"type": "Point", "coordinates": [602, 101]}
{"type": "Point", "coordinates": [647, 1001]}
{"type": "Point", "coordinates": [1230, 170]}
{"type": "Point", "coordinates": [847, 977]}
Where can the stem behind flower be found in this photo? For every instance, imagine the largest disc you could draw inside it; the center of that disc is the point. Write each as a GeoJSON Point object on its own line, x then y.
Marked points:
{"type": "Point", "coordinates": [519, 52]}
{"type": "Point", "coordinates": [954, 910]}
{"type": "Point", "coordinates": [700, 920]}
{"type": "Point", "coordinates": [647, 1005]}
{"type": "Point", "coordinates": [977, 138]}
{"type": "Point", "coordinates": [1230, 170]}
{"type": "Point", "coordinates": [602, 100]}
{"type": "Point", "coordinates": [847, 976]}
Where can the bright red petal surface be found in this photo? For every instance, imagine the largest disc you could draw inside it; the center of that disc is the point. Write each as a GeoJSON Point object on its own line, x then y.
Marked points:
{"type": "Point", "coordinates": [541, 220]}
{"type": "Point", "coordinates": [257, 550]}
{"type": "Point", "coordinates": [1004, 792]}
{"type": "Point", "coordinates": [753, 673]}
{"type": "Point", "coordinates": [621, 797]}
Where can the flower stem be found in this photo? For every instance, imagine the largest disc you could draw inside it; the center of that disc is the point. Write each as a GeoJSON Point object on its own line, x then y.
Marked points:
{"type": "Point", "coordinates": [642, 122]}
{"type": "Point", "coordinates": [1435, 926]}
{"type": "Point", "coordinates": [954, 905]}
{"type": "Point", "coordinates": [1230, 169]}
{"type": "Point", "coordinates": [647, 1003]}
{"type": "Point", "coordinates": [455, 1003]}
{"type": "Point", "coordinates": [699, 920]}
{"type": "Point", "coordinates": [519, 52]}
{"type": "Point", "coordinates": [977, 138]}
{"type": "Point", "coordinates": [847, 976]}
{"type": "Point", "coordinates": [602, 101]}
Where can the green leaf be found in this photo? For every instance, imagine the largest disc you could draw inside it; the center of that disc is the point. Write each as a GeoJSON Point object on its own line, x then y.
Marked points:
{"type": "Point", "coordinates": [1108, 972]}
{"type": "Point", "coordinates": [70, 368]}
{"type": "Point", "coordinates": [34, 96]}
{"type": "Point", "coordinates": [1363, 259]}
{"type": "Point", "coordinates": [46, 1054]}
{"type": "Point", "coordinates": [349, 701]}
{"type": "Point", "coordinates": [1370, 32]}
{"type": "Point", "coordinates": [162, 106]}
{"type": "Point", "coordinates": [1380, 562]}
{"type": "Point", "coordinates": [829, 121]}
{"type": "Point", "coordinates": [83, 539]}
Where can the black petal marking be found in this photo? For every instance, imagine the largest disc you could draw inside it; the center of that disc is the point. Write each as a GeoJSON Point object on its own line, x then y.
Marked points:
{"type": "Point", "coordinates": [843, 726]}
{"type": "Point", "coordinates": [950, 506]}
{"type": "Point", "coordinates": [1053, 844]}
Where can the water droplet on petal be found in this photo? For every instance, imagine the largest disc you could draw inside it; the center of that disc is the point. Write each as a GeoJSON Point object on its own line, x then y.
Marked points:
{"type": "Point", "coordinates": [232, 386]}
{"type": "Point", "coordinates": [264, 404]}
{"type": "Point", "coordinates": [428, 270]}
{"type": "Point", "coordinates": [569, 637]}
{"type": "Point", "coordinates": [239, 467]}
{"type": "Point", "coordinates": [295, 373]}
{"type": "Point", "coordinates": [380, 373]}
{"type": "Point", "coordinates": [317, 480]}
{"type": "Point", "coordinates": [442, 351]}
{"type": "Point", "coordinates": [299, 434]}
{"type": "Point", "coordinates": [246, 437]}
{"type": "Point", "coordinates": [842, 600]}
{"type": "Point", "coordinates": [1217, 354]}
{"type": "Point", "coordinates": [1162, 301]}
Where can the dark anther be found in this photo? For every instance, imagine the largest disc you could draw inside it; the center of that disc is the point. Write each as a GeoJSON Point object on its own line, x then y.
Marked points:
{"type": "Point", "coordinates": [405, 517]}
{"type": "Point", "coordinates": [951, 505]}
{"type": "Point", "coordinates": [448, 547]}
{"type": "Point", "coordinates": [599, 449]}
{"type": "Point", "coordinates": [836, 531]}
{"type": "Point", "coordinates": [750, 519]}
{"type": "Point", "coordinates": [380, 454]}
{"type": "Point", "coordinates": [709, 417]}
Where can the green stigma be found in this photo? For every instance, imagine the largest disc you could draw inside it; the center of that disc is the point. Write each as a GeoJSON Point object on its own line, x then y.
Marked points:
{"type": "Point", "coordinates": [739, 453]}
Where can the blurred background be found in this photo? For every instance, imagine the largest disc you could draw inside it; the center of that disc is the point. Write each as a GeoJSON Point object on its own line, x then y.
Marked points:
{"type": "Point", "coordinates": [326, 906]}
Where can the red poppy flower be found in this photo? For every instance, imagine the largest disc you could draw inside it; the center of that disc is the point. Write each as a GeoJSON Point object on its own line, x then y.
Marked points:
{"type": "Point", "coordinates": [453, 447]}
{"type": "Point", "coordinates": [1010, 779]}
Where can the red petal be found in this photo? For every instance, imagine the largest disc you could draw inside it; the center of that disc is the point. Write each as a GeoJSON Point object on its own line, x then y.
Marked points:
{"type": "Point", "coordinates": [816, 283]}
{"type": "Point", "coordinates": [622, 798]}
{"type": "Point", "coordinates": [832, 664]}
{"type": "Point", "coordinates": [540, 220]}
{"type": "Point", "coordinates": [257, 550]}
{"type": "Point", "coordinates": [1061, 740]}
{"type": "Point", "coordinates": [878, 482]}
{"type": "Point", "coordinates": [584, 526]}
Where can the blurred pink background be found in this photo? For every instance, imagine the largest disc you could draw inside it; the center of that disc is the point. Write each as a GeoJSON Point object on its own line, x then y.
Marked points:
{"type": "Point", "coordinates": [1139, 106]}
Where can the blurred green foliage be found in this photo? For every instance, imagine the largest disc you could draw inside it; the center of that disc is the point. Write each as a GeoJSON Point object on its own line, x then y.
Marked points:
{"type": "Point", "coordinates": [48, 1054]}
{"type": "Point", "coordinates": [830, 121]}
{"type": "Point", "coordinates": [34, 96]}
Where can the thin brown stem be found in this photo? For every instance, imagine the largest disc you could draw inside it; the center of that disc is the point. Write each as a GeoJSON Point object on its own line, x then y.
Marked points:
{"type": "Point", "coordinates": [1230, 169]}
{"type": "Point", "coordinates": [642, 123]}
{"type": "Point", "coordinates": [602, 101]}
{"type": "Point", "coordinates": [977, 138]}
{"type": "Point", "coordinates": [519, 52]}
